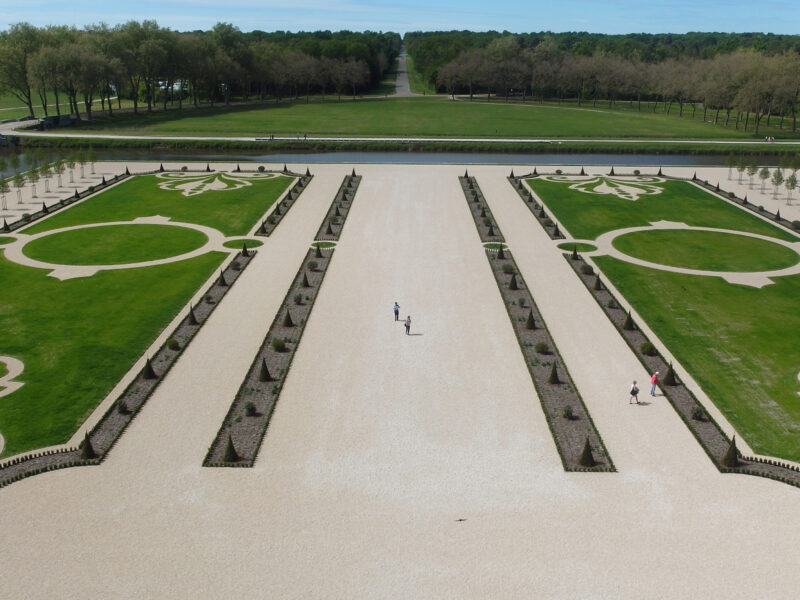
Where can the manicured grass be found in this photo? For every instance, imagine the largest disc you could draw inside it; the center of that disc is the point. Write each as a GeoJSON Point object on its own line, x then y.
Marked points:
{"type": "Point", "coordinates": [324, 244]}
{"type": "Point", "coordinates": [237, 244]}
{"type": "Point", "coordinates": [706, 250]}
{"type": "Point", "coordinates": [3, 370]}
{"type": "Point", "coordinates": [5, 240]}
{"type": "Point", "coordinates": [426, 116]}
{"type": "Point", "coordinates": [578, 247]}
{"type": "Point", "coordinates": [78, 337]}
{"type": "Point", "coordinates": [585, 216]}
{"type": "Point", "coordinates": [232, 212]}
{"type": "Point", "coordinates": [115, 244]}
{"type": "Point", "coordinates": [738, 342]}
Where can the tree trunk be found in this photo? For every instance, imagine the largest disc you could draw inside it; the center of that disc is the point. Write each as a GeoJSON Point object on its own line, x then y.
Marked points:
{"type": "Point", "coordinates": [746, 120]}
{"type": "Point", "coordinates": [58, 105]}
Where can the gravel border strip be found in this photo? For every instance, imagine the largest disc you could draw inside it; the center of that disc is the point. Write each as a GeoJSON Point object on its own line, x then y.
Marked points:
{"type": "Point", "coordinates": [242, 432]}
{"type": "Point", "coordinates": [119, 415]}
{"type": "Point", "coordinates": [570, 433]}
{"type": "Point", "coordinates": [282, 207]}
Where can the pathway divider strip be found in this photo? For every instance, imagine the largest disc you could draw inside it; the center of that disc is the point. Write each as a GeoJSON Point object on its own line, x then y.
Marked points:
{"type": "Point", "coordinates": [577, 440]}
{"type": "Point", "coordinates": [720, 448]}
{"type": "Point", "coordinates": [239, 438]}
{"type": "Point", "coordinates": [282, 207]}
{"type": "Point", "coordinates": [101, 439]}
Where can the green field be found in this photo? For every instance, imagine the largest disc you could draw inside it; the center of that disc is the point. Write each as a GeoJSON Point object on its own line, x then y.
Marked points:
{"type": "Point", "coordinates": [588, 215]}
{"type": "Point", "coordinates": [78, 337]}
{"type": "Point", "coordinates": [426, 116]}
{"type": "Point", "coordinates": [706, 250]}
{"type": "Point", "coordinates": [115, 244]}
{"type": "Point", "coordinates": [738, 342]}
{"type": "Point", "coordinates": [233, 212]}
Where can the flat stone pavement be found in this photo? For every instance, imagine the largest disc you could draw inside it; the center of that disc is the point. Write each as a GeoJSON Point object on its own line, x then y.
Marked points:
{"type": "Point", "coordinates": [395, 466]}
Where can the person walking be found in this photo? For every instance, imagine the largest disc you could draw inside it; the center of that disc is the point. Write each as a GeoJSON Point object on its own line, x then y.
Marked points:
{"type": "Point", "coordinates": [634, 394]}
{"type": "Point", "coordinates": [653, 383]}
{"type": "Point", "coordinates": [408, 325]}
{"type": "Point", "coordinates": [396, 311]}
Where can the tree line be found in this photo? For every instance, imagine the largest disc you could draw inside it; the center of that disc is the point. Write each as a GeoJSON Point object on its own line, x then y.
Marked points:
{"type": "Point", "coordinates": [149, 64]}
{"type": "Point", "coordinates": [731, 78]}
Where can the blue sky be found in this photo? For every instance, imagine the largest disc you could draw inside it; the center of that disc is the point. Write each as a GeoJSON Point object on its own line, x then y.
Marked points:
{"type": "Point", "coordinates": [600, 16]}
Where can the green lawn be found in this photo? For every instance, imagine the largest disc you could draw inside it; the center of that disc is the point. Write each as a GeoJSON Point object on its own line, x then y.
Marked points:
{"type": "Point", "coordinates": [115, 244]}
{"type": "Point", "coordinates": [5, 240]}
{"type": "Point", "coordinates": [233, 212]}
{"type": "Point", "coordinates": [3, 369]}
{"type": "Point", "coordinates": [237, 244]}
{"type": "Point", "coordinates": [426, 116]}
{"type": "Point", "coordinates": [416, 82]}
{"type": "Point", "coordinates": [738, 342]}
{"type": "Point", "coordinates": [706, 250]}
{"type": "Point", "coordinates": [578, 247]}
{"type": "Point", "coordinates": [586, 216]}
{"type": "Point", "coordinates": [78, 337]}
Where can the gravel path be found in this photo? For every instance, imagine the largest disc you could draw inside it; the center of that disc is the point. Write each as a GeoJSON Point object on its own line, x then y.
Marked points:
{"type": "Point", "coordinates": [395, 466]}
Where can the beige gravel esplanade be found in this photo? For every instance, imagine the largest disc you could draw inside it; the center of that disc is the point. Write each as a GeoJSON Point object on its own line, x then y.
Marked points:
{"type": "Point", "coordinates": [402, 466]}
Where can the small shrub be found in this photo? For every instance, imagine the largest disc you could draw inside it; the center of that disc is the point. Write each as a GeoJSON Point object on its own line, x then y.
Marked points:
{"type": "Point", "coordinates": [612, 303]}
{"type": "Point", "coordinates": [508, 269]}
{"type": "Point", "coordinates": [542, 348]}
{"type": "Point", "coordinates": [209, 299]}
{"type": "Point", "coordinates": [184, 168]}
{"type": "Point", "coordinates": [173, 344]}
{"type": "Point", "coordinates": [261, 168]}
{"type": "Point", "coordinates": [522, 302]}
{"type": "Point", "coordinates": [236, 266]}
{"type": "Point", "coordinates": [568, 414]}
{"type": "Point", "coordinates": [698, 414]}
{"type": "Point", "coordinates": [486, 221]}
{"type": "Point", "coordinates": [637, 172]}
{"type": "Point", "coordinates": [760, 208]}
{"type": "Point", "coordinates": [587, 269]}
{"type": "Point", "coordinates": [731, 195]}
{"type": "Point", "coordinates": [648, 349]}
{"type": "Point", "coordinates": [559, 171]}
{"type": "Point", "coordinates": [796, 225]}
{"type": "Point", "coordinates": [122, 408]}
{"type": "Point", "coordinates": [250, 409]}
{"type": "Point", "coordinates": [279, 345]}
{"type": "Point", "coordinates": [298, 298]}
{"type": "Point", "coordinates": [312, 265]}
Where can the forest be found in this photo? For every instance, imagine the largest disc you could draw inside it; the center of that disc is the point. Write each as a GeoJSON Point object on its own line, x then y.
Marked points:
{"type": "Point", "coordinates": [736, 79]}
{"type": "Point", "coordinates": [148, 64]}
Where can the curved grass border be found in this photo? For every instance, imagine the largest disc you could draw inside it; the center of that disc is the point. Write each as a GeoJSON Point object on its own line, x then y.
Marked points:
{"type": "Point", "coordinates": [239, 438]}
{"type": "Point", "coordinates": [569, 434]}
{"type": "Point", "coordinates": [104, 435]}
{"type": "Point", "coordinates": [282, 207]}
{"type": "Point", "coordinates": [537, 209]}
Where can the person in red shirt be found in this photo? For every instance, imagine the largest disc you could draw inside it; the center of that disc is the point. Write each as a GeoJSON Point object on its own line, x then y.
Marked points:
{"type": "Point", "coordinates": [653, 383]}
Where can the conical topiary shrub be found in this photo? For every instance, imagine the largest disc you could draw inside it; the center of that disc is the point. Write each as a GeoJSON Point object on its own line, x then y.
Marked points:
{"type": "Point", "coordinates": [512, 285]}
{"type": "Point", "coordinates": [318, 252]}
{"type": "Point", "coordinates": [553, 374]}
{"type": "Point", "coordinates": [587, 458]}
{"type": "Point", "coordinates": [542, 214]}
{"type": "Point", "coordinates": [353, 174]}
{"type": "Point", "coordinates": [305, 283]}
{"type": "Point", "coordinates": [285, 170]}
{"type": "Point", "coordinates": [336, 212]}
{"type": "Point", "coordinates": [628, 324]}
{"type": "Point", "coordinates": [659, 171]}
{"type": "Point", "coordinates": [277, 210]}
{"type": "Point", "coordinates": [669, 376]}
{"type": "Point", "coordinates": [308, 173]}
{"type": "Point", "coordinates": [192, 317]}
{"type": "Point", "coordinates": [483, 212]}
{"type": "Point", "coordinates": [287, 319]}
{"type": "Point", "coordinates": [208, 168]}
{"type": "Point", "coordinates": [238, 169]}
{"type": "Point", "coordinates": [77, 195]}
{"type": "Point", "coordinates": [777, 214]}
{"type": "Point", "coordinates": [245, 251]}
{"type": "Point", "coordinates": [44, 208]}
{"type": "Point", "coordinates": [263, 228]}
{"type": "Point", "coordinates": [149, 372]}
{"type": "Point", "coordinates": [531, 322]}
{"type": "Point", "coordinates": [597, 284]}
{"type": "Point", "coordinates": [466, 173]}
{"type": "Point", "coordinates": [731, 457]}
{"type": "Point", "coordinates": [535, 174]}
{"type": "Point", "coordinates": [582, 171]}
{"type": "Point", "coordinates": [556, 232]}
{"type": "Point", "coordinates": [87, 450]}
{"type": "Point", "coordinates": [5, 226]}
{"type": "Point", "coordinates": [501, 254]}
{"type": "Point", "coordinates": [264, 374]}
{"type": "Point", "coordinates": [230, 452]}
{"type": "Point", "coordinates": [127, 172]}
{"type": "Point", "coordinates": [161, 167]}
{"type": "Point", "coordinates": [744, 201]}
{"type": "Point", "coordinates": [329, 230]}
{"type": "Point", "coordinates": [574, 255]}
{"type": "Point", "coordinates": [694, 176]}
{"type": "Point", "coordinates": [490, 232]}
{"type": "Point", "coordinates": [222, 280]}
{"type": "Point", "coordinates": [612, 171]}
{"type": "Point", "coordinates": [512, 174]}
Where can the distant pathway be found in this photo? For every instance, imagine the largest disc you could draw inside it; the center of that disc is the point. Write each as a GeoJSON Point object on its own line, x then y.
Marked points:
{"type": "Point", "coordinates": [402, 86]}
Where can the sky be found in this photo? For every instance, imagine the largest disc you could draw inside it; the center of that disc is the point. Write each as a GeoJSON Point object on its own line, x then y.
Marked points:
{"type": "Point", "coordinates": [517, 16]}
